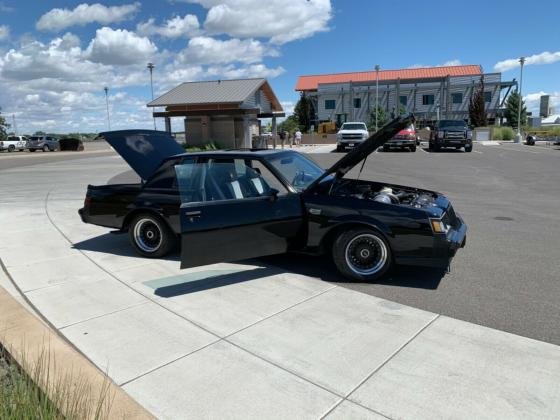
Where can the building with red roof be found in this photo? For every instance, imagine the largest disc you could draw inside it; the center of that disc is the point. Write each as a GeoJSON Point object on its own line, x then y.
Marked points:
{"type": "Point", "coordinates": [430, 93]}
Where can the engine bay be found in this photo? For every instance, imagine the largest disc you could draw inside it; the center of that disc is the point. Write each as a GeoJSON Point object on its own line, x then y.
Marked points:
{"type": "Point", "coordinates": [384, 193]}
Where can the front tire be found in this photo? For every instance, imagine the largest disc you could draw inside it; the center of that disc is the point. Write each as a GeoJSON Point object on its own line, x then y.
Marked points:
{"type": "Point", "coordinates": [46, 148]}
{"type": "Point", "coordinates": [362, 254]}
{"type": "Point", "coordinates": [468, 149]}
{"type": "Point", "coordinates": [11, 148]}
{"type": "Point", "coordinates": [150, 236]}
{"type": "Point", "coordinates": [413, 149]}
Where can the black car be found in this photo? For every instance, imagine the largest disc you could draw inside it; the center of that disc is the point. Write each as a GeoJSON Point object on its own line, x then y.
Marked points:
{"type": "Point", "coordinates": [234, 205]}
{"type": "Point", "coordinates": [451, 134]}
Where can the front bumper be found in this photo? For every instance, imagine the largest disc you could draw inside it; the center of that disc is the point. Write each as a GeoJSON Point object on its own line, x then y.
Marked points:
{"type": "Point", "coordinates": [349, 142]}
{"type": "Point", "coordinates": [453, 142]}
{"type": "Point", "coordinates": [394, 143]}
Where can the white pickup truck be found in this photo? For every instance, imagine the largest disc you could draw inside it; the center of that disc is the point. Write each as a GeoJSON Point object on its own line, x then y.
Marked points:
{"type": "Point", "coordinates": [351, 134]}
{"type": "Point", "coordinates": [13, 143]}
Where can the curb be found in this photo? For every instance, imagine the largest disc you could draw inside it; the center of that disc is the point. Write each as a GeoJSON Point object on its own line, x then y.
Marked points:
{"type": "Point", "coordinates": [26, 338]}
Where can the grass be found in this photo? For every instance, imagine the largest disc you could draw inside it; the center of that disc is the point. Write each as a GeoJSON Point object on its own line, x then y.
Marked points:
{"type": "Point", "coordinates": [35, 391]}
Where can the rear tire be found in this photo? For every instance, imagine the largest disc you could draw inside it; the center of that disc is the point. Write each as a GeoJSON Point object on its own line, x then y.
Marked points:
{"type": "Point", "coordinates": [11, 148]}
{"type": "Point", "coordinates": [46, 148]}
{"type": "Point", "coordinates": [362, 254]}
{"type": "Point", "coordinates": [150, 236]}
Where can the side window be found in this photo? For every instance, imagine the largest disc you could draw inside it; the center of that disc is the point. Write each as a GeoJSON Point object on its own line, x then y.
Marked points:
{"type": "Point", "coordinates": [189, 181]}
{"type": "Point", "coordinates": [267, 177]}
{"type": "Point", "coordinates": [164, 177]}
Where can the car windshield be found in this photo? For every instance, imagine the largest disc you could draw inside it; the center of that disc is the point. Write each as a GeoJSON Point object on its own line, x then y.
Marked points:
{"type": "Point", "coordinates": [297, 169]}
{"type": "Point", "coordinates": [353, 126]}
{"type": "Point", "coordinates": [452, 123]}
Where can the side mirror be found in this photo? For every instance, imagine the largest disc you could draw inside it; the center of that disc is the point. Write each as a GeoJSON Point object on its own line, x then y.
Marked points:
{"type": "Point", "coordinates": [273, 195]}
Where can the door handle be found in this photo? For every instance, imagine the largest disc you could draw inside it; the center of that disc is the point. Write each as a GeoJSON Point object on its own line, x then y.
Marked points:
{"type": "Point", "coordinates": [193, 213]}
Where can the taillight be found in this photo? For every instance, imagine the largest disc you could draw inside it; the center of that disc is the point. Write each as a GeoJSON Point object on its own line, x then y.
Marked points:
{"type": "Point", "coordinates": [87, 201]}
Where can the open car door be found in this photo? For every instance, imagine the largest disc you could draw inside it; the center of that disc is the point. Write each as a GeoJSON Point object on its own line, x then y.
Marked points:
{"type": "Point", "coordinates": [230, 212]}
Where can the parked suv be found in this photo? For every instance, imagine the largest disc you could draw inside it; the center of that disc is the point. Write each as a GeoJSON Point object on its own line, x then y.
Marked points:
{"type": "Point", "coordinates": [44, 143]}
{"type": "Point", "coordinates": [451, 133]}
{"type": "Point", "coordinates": [351, 134]}
{"type": "Point", "coordinates": [13, 143]}
{"type": "Point", "coordinates": [404, 139]}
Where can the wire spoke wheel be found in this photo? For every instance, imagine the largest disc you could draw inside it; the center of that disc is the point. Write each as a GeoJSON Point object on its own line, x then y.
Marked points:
{"type": "Point", "coordinates": [366, 254]}
{"type": "Point", "coordinates": [147, 235]}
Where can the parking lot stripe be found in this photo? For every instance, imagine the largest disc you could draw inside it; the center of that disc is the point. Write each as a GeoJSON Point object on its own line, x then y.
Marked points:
{"type": "Point", "coordinates": [476, 151]}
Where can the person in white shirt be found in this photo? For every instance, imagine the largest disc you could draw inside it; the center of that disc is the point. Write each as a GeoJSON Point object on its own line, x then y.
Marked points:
{"type": "Point", "coordinates": [297, 138]}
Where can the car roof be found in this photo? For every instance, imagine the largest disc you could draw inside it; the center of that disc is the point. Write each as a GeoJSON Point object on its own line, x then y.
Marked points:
{"type": "Point", "coordinates": [244, 153]}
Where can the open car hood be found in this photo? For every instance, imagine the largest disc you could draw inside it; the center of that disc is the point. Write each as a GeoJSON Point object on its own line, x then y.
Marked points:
{"type": "Point", "coordinates": [143, 150]}
{"type": "Point", "coordinates": [359, 153]}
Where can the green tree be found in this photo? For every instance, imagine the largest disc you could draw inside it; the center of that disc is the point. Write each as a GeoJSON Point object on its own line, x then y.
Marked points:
{"type": "Point", "coordinates": [303, 112]}
{"type": "Point", "coordinates": [290, 124]}
{"type": "Point", "coordinates": [39, 133]}
{"type": "Point", "coordinates": [477, 112]}
{"type": "Point", "coordinates": [380, 116]}
{"type": "Point", "coordinates": [512, 107]}
{"type": "Point", "coordinates": [3, 127]}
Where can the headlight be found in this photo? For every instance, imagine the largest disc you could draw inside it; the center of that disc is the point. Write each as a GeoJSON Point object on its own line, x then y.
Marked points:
{"type": "Point", "coordinates": [469, 134]}
{"type": "Point", "coordinates": [338, 136]}
{"type": "Point", "coordinates": [440, 134]}
{"type": "Point", "coordinates": [438, 226]}
{"type": "Point", "coordinates": [364, 136]}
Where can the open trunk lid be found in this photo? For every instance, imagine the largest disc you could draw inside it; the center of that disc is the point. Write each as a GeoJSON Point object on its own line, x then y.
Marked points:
{"type": "Point", "coordinates": [143, 150]}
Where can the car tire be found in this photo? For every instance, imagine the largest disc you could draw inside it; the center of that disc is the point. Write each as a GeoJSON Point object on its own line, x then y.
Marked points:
{"type": "Point", "coordinates": [385, 148]}
{"type": "Point", "coordinates": [468, 149]}
{"type": "Point", "coordinates": [340, 148]}
{"type": "Point", "coordinates": [46, 148]}
{"type": "Point", "coordinates": [362, 254]}
{"type": "Point", "coordinates": [150, 236]}
{"type": "Point", "coordinates": [11, 148]}
{"type": "Point", "coordinates": [413, 149]}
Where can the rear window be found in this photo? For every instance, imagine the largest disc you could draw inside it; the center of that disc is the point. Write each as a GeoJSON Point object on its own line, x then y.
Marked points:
{"type": "Point", "coordinates": [35, 138]}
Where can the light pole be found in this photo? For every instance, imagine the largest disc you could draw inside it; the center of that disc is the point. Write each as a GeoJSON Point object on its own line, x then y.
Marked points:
{"type": "Point", "coordinates": [521, 61]}
{"type": "Point", "coordinates": [151, 68]}
{"type": "Point", "coordinates": [106, 89]}
{"type": "Point", "coordinates": [376, 95]}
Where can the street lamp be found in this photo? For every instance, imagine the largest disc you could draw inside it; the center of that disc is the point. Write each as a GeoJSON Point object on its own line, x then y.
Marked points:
{"type": "Point", "coordinates": [521, 61]}
{"type": "Point", "coordinates": [376, 95]}
{"type": "Point", "coordinates": [151, 68]}
{"type": "Point", "coordinates": [106, 89]}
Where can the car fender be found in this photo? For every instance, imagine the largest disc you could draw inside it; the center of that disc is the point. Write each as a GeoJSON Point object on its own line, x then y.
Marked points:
{"type": "Point", "coordinates": [140, 210]}
{"type": "Point", "coordinates": [338, 224]}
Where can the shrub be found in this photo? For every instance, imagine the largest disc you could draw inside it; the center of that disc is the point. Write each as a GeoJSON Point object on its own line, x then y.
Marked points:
{"type": "Point", "coordinates": [497, 133]}
{"type": "Point", "coordinates": [507, 133]}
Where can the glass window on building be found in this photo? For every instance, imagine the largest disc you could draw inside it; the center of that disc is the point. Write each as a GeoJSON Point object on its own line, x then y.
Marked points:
{"type": "Point", "coordinates": [403, 100]}
{"type": "Point", "coordinates": [357, 102]}
{"type": "Point", "coordinates": [487, 96]}
{"type": "Point", "coordinates": [428, 99]}
{"type": "Point", "coordinates": [330, 104]}
{"type": "Point", "coordinates": [457, 98]}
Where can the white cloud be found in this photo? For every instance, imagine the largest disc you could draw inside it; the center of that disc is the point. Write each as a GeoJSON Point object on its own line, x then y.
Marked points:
{"type": "Point", "coordinates": [173, 28]}
{"type": "Point", "coordinates": [119, 47]}
{"type": "Point", "coordinates": [542, 58]}
{"type": "Point", "coordinates": [207, 50]}
{"type": "Point", "coordinates": [533, 100]}
{"type": "Point", "coordinates": [253, 70]}
{"type": "Point", "coordinates": [59, 19]}
{"type": "Point", "coordinates": [4, 32]}
{"type": "Point", "coordinates": [454, 62]}
{"type": "Point", "coordinates": [280, 20]}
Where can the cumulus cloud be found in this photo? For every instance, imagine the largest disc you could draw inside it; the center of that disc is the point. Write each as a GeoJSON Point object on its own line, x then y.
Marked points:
{"type": "Point", "coordinates": [545, 57]}
{"type": "Point", "coordinates": [207, 50]}
{"type": "Point", "coordinates": [119, 47]}
{"type": "Point", "coordinates": [59, 19]}
{"type": "Point", "coordinates": [4, 32]}
{"type": "Point", "coordinates": [533, 100]}
{"type": "Point", "coordinates": [448, 63]}
{"type": "Point", "coordinates": [175, 27]}
{"type": "Point", "coordinates": [280, 20]}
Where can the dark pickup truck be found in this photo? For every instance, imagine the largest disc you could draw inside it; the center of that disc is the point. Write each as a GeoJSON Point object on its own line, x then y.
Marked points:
{"type": "Point", "coordinates": [451, 134]}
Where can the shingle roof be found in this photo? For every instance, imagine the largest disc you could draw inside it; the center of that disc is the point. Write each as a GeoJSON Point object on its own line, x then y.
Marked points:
{"type": "Point", "coordinates": [311, 82]}
{"type": "Point", "coordinates": [204, 92]}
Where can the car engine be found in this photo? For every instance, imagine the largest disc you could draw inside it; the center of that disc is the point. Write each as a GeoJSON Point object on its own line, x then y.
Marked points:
{"type": "Point", "coordinates": [386, 194]}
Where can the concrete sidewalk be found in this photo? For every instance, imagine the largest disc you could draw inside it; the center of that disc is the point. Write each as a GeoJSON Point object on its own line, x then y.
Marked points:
{"type": "Point", "coordinates": [248, 340]}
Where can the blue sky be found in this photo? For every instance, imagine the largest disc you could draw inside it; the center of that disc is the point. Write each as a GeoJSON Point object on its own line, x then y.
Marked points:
{"type": "Point", "coordinates": [56, 56]}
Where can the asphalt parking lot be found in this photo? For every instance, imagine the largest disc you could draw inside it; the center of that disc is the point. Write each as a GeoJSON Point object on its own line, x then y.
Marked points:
{"type": "Point", "coordinates": [508, 276]}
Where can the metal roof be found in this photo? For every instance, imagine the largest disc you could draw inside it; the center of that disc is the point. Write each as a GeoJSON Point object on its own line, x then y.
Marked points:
{"type": "Point", "coordinates": [312, 82]}
{"type": "Point", "coordinates": [210, 91]}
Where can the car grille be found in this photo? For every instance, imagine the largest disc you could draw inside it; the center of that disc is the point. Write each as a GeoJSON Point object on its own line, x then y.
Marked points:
{"type": "Point", "coordinates": [450, 218]}
{"type": "Point", "coordinates": [455, 135]}
{"type": "Point", "coordinates": [352, 136]}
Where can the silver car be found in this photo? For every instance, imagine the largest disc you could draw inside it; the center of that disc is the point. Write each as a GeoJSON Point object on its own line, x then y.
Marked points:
{"type": "Point", "coordinates": [44, 143]}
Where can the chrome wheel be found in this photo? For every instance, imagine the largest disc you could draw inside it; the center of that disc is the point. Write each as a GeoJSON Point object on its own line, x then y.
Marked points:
{"type": "Point", "coordinates": [147, 235]}
{"type": "Point", "coordinates": [366, 254]}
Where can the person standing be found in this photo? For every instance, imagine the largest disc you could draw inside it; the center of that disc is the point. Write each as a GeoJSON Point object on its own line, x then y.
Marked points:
{"type": "Point", "coordinates": [297, 138]}
{"type": "Point", "coordinates": [282, 136]}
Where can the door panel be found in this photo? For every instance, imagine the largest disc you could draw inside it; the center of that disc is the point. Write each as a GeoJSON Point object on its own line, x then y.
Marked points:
{"type": "Point", "coordinates": [232, 230]}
